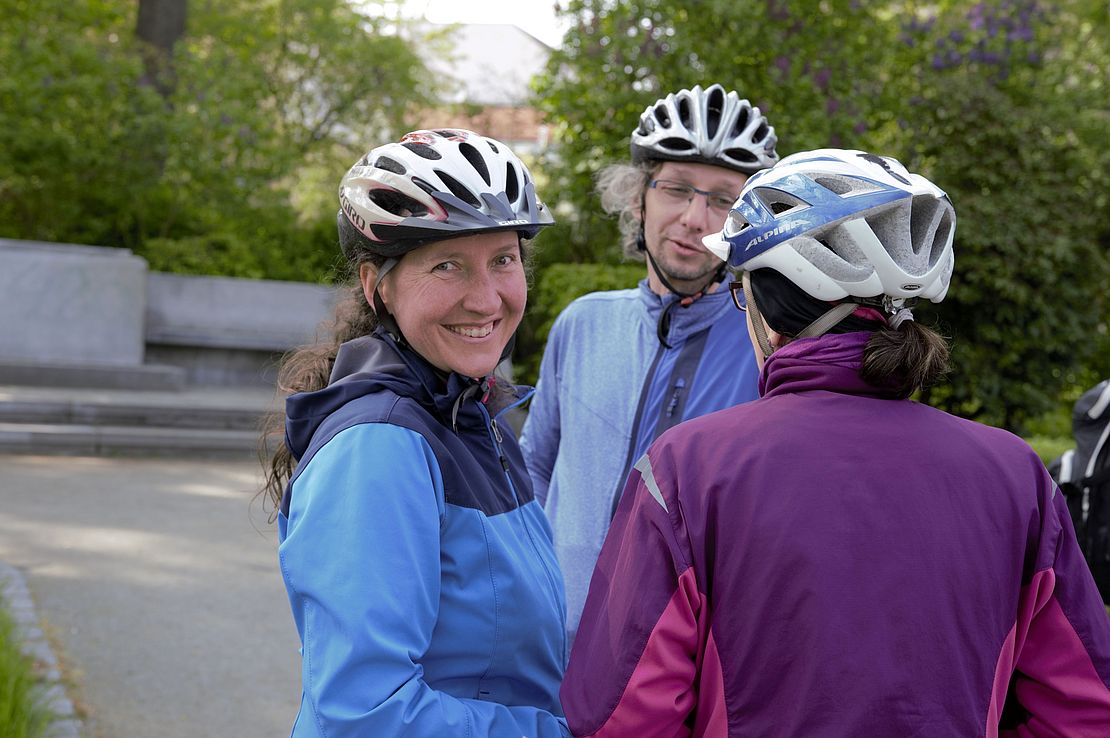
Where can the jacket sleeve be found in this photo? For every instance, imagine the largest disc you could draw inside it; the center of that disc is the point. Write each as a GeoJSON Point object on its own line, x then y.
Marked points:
{"type": "Point", "coordinates": [1060, 644]}
{"type": "Point", "coordinates": [361, 562]}
{"type": "Point", "coordinates": [633, 668]}
{"type": "Point", "coordinates": [539, 439]}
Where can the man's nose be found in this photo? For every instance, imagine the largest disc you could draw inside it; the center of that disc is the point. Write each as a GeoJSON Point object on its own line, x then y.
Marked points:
{"type": "Point", "coordinates": [696, 214]}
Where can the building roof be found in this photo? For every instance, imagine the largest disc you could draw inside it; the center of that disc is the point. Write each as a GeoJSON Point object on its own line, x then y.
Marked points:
{"type": "Point", "coordinates": [493, 64]}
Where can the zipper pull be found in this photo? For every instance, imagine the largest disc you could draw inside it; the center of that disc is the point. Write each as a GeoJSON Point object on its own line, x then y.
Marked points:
{"type": "Point", "coordinates": [497, 436]}
{"type": "Point", "coordinates": [678, 387]}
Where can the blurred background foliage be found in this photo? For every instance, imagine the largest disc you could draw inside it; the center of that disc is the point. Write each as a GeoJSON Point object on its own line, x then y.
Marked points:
{"type": "Point", "coordinates": [1003, 103]}
{"type": "Point", "coordinates": [218, 151]}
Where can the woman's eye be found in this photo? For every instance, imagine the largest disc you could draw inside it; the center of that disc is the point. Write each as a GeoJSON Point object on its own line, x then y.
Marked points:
{"type": "Point", "coordinates": [444, 266]}
{"type": "Point", "coordinates": [505, 260]}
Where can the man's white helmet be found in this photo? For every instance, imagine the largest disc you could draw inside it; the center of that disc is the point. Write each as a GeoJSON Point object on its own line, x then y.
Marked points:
{"type": "Point", "coordinates": [705, 126]}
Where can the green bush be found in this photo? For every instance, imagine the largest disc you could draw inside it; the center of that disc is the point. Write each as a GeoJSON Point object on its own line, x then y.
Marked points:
{"type": "Point", "coordinates": [556, 286]}
{"type": "Point", "coordinates": [22, 711]}
{"type": "Point", "coordinates": [1050, 447]}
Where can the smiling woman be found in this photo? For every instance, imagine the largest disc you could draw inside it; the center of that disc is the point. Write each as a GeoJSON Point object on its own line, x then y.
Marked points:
{"type": "Point", "coordinates": [457, 302]}
{"type": "Point", "coordinates": [402, 501]}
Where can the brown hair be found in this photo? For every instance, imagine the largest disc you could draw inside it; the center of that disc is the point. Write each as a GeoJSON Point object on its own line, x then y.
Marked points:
{"type": "Point", "coordinates": [307, 369]}
{"type": "Point", "coordinates": [909, 358]}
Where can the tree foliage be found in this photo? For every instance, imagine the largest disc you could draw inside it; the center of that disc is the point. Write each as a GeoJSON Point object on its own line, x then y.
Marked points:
{"type": "Point", "coordinates": [1001, 102]}
{"type": "Point", "coordinates": [270, 100]}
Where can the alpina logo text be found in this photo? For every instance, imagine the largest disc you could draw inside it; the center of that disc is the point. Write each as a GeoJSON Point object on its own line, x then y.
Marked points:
{"type": "Point", "coordinates": [781, 230]}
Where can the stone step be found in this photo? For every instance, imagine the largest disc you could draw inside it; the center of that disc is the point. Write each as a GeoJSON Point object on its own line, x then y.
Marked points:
{"type": "Point", "coordinates": [214, 409]}
{"type": "Point", "coordinates": [47, 374]}
{"type": "Point", "coordinates": [103, 414]}
{"type": "Point", "coordinates": [108, 440]}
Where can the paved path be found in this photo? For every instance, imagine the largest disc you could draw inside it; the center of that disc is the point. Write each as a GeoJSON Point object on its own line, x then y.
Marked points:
{"type": "Point", "coordinates": [159, 581]}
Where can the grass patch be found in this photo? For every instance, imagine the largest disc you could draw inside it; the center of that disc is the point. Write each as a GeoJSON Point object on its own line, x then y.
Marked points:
{"type": "Point", "coordinates": [22, 711]}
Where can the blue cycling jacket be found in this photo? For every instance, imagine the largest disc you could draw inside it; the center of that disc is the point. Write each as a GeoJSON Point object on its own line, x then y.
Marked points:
{"type": "Point", "coordinates": [607, 388]}
{"type": "Point", "coordinates": [418, 565]}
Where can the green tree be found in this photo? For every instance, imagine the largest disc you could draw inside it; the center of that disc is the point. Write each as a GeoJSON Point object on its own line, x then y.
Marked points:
{"type": "Point", "coordinates": [1001, 102]}
{"type": "Point", "coordinates": [1006, 109]}
{"type": "Point", "coordinates": [266, 98]}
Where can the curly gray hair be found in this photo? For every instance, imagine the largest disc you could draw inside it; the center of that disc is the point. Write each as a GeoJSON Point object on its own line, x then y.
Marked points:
{"type": "Point", "coordinates": [622, 187]}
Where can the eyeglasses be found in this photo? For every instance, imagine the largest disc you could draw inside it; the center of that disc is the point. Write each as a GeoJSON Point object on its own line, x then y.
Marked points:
{"type": "Point", "coordinates": [680, 192]}
{"type": "Point", "coordinates": [736, 287]}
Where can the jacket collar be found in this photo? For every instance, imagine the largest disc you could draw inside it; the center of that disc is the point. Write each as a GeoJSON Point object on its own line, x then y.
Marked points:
{"type": "Point", "coordinates": [828, 362]}
{"type": "Point", "coordinates": [685, 321]}
{"type": "Point", "coordinates": [377, 363]}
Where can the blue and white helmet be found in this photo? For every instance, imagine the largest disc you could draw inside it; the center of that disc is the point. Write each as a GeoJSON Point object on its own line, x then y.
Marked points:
{"type": "Point", "coordinates": [842, 223]}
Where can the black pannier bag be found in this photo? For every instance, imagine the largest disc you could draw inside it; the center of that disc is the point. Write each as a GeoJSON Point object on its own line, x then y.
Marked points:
{"type": "Point", "coordinates": [1083, 474]}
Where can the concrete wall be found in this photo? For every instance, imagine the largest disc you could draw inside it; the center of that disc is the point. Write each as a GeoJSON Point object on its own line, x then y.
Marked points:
{"type": "Point", "coordinates": [227, 331]}
{"type": "Point", "coordinates": [61, 303]}
{"type": "Point", "coordinates": [76, 308]}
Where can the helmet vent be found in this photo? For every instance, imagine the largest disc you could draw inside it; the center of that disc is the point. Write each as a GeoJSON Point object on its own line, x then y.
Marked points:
{"type": "Point", "coordinates": [475, 160]}
{"type": "Point", "coordinates": [735, 223]}
{"type": "Point", "coordinates": [684, 112]}
{"type": "Point", "coordinates": [742, 155]}
{"type": "Point", "coordinates": [447, 133]}
{"type": "Point", "coordinates": [457, 189]}
{"type": "Point", "coordinates": [492, 146]}
{"type": "Point", "coordinates": [778, 201]}
{"type": "Point", "coordinates": [676, 144]}
{"type": "Point", "coordinates": [714, 104]}
{"type": "Point", "coordinates": [662, 116]}
{"type": "Point", "coordinates": [389, 165]}
{"type": "Point", "coordinates": [512, 183]}
{"type": "Point", "coordinates": [426, 186]}
{"type": "Point", "coordinates": [943, 232]}
{"type": "Point", "coordinates": [394, 202]}
{"type": "Point", "coordinates": [760, 133]}
{"type": "Point", "coordinates": [924, 216]}
{"type": "Point", "coordinates": [422, 150]}
{"type": "Point", "coordinates": [840, 186]}
{"type": "Point", "coordinates": [741, 122]}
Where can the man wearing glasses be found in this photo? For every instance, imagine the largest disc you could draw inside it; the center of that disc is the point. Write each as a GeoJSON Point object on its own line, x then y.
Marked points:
{"type": "Point", "coordinates": [621, 367]}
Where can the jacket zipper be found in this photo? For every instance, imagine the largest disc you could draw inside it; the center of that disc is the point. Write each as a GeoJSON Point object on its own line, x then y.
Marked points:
{"type": "Point", "coordinates": [495, 431]}
{"type": "Point", "coordinates": [679, 385]}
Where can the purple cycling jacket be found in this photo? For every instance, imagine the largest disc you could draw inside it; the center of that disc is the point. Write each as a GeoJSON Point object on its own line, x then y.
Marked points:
{"type": "Point", "coordinates": [831, 561]}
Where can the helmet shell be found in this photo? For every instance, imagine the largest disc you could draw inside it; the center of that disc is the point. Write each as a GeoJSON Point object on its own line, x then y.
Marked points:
{"type": "Point", "coordinates": [435, 184]}
{"type": "Point", "coordinates": [843, 223]}
{"type": "Point", "coordinates": [706, 126]}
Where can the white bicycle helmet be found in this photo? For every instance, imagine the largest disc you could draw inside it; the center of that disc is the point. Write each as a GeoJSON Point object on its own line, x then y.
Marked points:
{"type": "Point", "coordinates": [843, 224]}
{"type": "Point", "coordinates": [437, 184]}
{"type": "Point", "coordinates": [706, 126]}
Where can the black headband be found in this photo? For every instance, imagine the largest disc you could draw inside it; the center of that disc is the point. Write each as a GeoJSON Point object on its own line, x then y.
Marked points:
{"type": "Point", "coordinates": [788, 309]}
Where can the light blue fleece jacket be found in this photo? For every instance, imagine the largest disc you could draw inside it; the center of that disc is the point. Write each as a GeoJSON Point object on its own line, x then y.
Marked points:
{"type": "Point", "coordinates": [607, 389]}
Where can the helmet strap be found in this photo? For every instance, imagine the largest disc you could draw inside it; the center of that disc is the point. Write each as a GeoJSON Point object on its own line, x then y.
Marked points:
{"type": "Point", "coordinates": [385, 318]}
{"type": "Point", "coordinates": [836, 314]}
{"type": "Point", "coordinates": [756, 317]}
{"type": "Point", "coordinates": [819, 327]}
